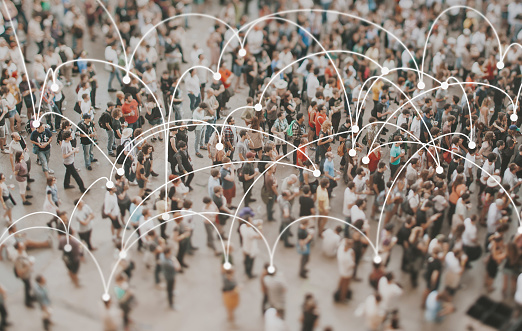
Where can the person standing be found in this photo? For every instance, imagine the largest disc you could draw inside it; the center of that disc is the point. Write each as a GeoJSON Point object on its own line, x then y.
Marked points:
{"type": "Point", "coordinates": [169, 267]}
{"type": "Point", "coordinates": [71, 257]}
{"type": "Point", "coordinates": [3, 310]}
{"type": "Point", "coordinates": [68, 161]}
{"type": "Point", "coordinates": [249, 236]}
{"type": "Point", "coordinates": [111, 55]}
{"type": "Point", "coordinates": [41, 294]}
{"type": "Point", "coordinates": [230, 293]}
{"type": "Point", "coordinates": [276, 289]}
{"type": "Point", "coordinates": [18, 144]}
{"type": "Point", "coordinates": [85, 217]}
{"type": "Point", "coordinates": [193, 89]}
{"type": "Point", "coordinates": [184, 164]}
{"type": "Point", "coordinates": [23, 269]}
{"type": "Point", "coordinates": [395, 156]}
{"type": "Point", "coordinates": [304, 237]}
{"type": "Point", "coordinates": [249, 175]}
{"type": "Point", "coordinates": [346, 265]}
{"type": "Point", "coordinates": [21, 174]}
{"type": "Point", "coordinates": [130, 112]}
{"type": "Point", "coordinates": [87, 136]}
{"type": "Point", "coordinates": [286, 216]}
{"type": "Point", "coordinates": [269, 193]}
{"type": "Point", "coordinates": [42, 138]}
{"type": "Point", "coordinates": [105, 122]}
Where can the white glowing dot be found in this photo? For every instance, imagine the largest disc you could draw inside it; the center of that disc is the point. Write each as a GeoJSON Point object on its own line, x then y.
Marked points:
{"type": "Point", "coordinates": [258, 107]}
{"type": "Point", "coordinates": [377, 259]}
{"type": "Point", "coordinates": [444, 85]}
{"type": "Point", "coordinates": [365, 160]}
{"type": "Point", "coordinates": [439, 170]}
{"type": "Point", "coordinates": [520, 229]}
{"type": "Point", "coordinates": [352, 152]}
{"type": "Point", "coordinates": [123, 254]}
{"type": "Point", "coordinates": [36, 123]}
{"type": "Point", "coordinates": [421, 85]}
{"type": "Point", "coordinates": [355, 128]}
{"type": "Point", "coordinates": [67, 248]}
{"type": "Point", "coordinates": [109, 184]}
{"type": "Point", "coordinates": [385, 71]}
{"type": "Point", "coordinates": [216, 76]}
{"type": "Point", "coordinates": [106, 297]}
{"type": "Point", "coordinates": [513, 117]}
{"type": "Point", "coordinates": [500, 65]}
{"type": "Point", "coordinates": [271, 269]}
{"type": "Point", "coordinates": [165, 216]}
{"type": "Point", "coordinates": [472, 144]}
{"type": "Point", "coordinates": [242, 52]}
{"type": "Point", "coordinates": [55, 87]}
{"type": "Point", "coordinates": [227, 266]}
{"type": "Point", "coordinates": [317, 173]}
{"type": "Point", "coordinates": [219, 146]}
{"type": "Point", "coordinates": [120, 171]}
{"type": "Point", "coordinates": [126, 79]}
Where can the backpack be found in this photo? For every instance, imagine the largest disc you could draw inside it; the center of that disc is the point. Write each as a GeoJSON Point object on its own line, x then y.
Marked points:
{"type": "Point", "coordinates": [240, 175]}
{"type": "Point", "coordinates": [119, 154]}
{"type": "Point", "coordinates": [103, 121]}
{"type": "Point", "coordinates": [63, 57]}
{"type": "Point", "coordinates": [290, 130]}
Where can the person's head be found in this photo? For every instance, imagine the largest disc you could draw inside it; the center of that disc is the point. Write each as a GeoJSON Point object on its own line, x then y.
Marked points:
{"type": "Point", "coordinates": [182, 145]}
{"type": "Point", "coordinates": [128, 97]}
{"type": "Point", "coordinates": [325, 182]}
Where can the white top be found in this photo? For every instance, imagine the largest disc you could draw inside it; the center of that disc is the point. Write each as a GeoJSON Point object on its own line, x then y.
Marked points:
{"type": "Point", "coordinates": [250, 237]}
{"type": "Point", "coordinates": [470, 233]}
{"type": "Point", "coordinates": [345, 261]}
{"type": "Point", "coordinates": [349, 199]}
{"type": "Point", "coordinates": [389, 293]}
{"type": "Point", "coordinates": [192, 85]}
{"type": "Point", "coordinates": [111, 204]}
{"type": "Point", "coordinates": [518, 293]}
{"type": "Point", "coordinates": [331, 241]}
{"type": "Point", "coordinates": [274, 322]}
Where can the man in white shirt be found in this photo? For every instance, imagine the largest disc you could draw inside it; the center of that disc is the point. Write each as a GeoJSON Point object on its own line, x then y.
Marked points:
{"type": "Point", "coordinates": [312, 84]}
{"type": "Point", "coordinates": [250, 249]}
{"type": "Point", "coordinates": [193, 89]}
{"type": "Point", "coordinates": [111, 55]}
{"type": "Point", "coordinates": [112, 210]}
{"type": "Point", "coordinates": [510, 177]}
{"type": "Point", "coordinates": [331, 240]}
{"type": "Point", "coordinates": [390, 293]}
{"type": "Point", "coordinates": [346, 265]}
{"type": "Point", "coordinates": [349, 200]}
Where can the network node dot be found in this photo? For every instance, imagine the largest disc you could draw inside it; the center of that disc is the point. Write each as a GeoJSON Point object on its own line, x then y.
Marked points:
{"type": "Point", "coordinates": [67, 248]}
{"type": "Point", "coordinates": [385, 71]}
{"type": "Point", "coordinates": [271, 269]}
{"type": "Point", "coordinates": [126, 79]}
{"type": "Point", "coordinates": [355, 128]}
{"type": "Point", "coordinates": [227, 266]}
{"type": "Point", "coordinates": [36, 123]}
{"type": "Point", "coordinates": [219, 146]}
{"type": "Point", "coordinates": [109, 184]}
{"type": "Point", "coordinates": [242, 52]}
{"type": "Point", "coordinates": [439, 170]}
{"type": "Point", "coordinates": [421, 85]}
{"type": "Point", "coordinates": [500, 65]}
{"type": "Point", "coordinates": [317, 173]}
{"type": "Point", "coordinates": [352, 152]}
{"type": "Point", "coordinates": [377, 259]}
{"type": "Point", "coordinates": [165, 216]}
{"type": "Point", "coordinates": [217, 76]}
{"type": "Point", "coordinates": [365, 160]}
{"type": "Point", "coordinates": [258, 107]}
{"type": "Point", "coordinates": [55, 87]}
{"type": "Point", "coordinates": [123, 254]}
{"type": "Point", "coordinates": [106, 297]}
{"type": "Point", "coordinates": [513, 117]}
{"type": "Point", "coordinates": [472, 144]}
{"type": "Point", "coordinates": [444, 85]}
{"type": "Point", "coordinates": [120, 171]}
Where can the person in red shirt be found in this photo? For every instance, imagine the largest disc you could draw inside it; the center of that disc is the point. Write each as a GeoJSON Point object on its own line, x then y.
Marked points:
{"type": "Point", "coordinates": [225, 75]}
{"type": "Point", "coordinates": [301, 152]}
{"type": "Point", "coordinates": [375, 157]}
{"type": "Point", "coordinates": [320, 117]}
{"type": "Point", "coordinates": [130, 112]}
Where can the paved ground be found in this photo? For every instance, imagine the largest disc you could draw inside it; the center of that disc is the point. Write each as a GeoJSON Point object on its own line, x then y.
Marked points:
{"type": "Point", "coordinates": [198, 295]}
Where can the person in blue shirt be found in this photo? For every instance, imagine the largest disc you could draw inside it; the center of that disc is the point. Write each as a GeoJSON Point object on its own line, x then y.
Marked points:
{"type": "Point", "coordinates": [395, 155]}
{"type": "Point", "coordinates": [329, 172]}
{"type": "Point", "coordinates": [438, 305]}
{"type": "Point", "coordinates": [42, 297]}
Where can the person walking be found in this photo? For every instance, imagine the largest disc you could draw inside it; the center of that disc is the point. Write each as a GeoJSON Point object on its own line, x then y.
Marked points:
{"type": "Point", "coordinates": [85, 217]}
{"type": "Point", "coordinates": [105, 123]}
{"type": "Point", "coordinates": [169, 267]}
{"type": "Point", "coordinates": [68, 153]}
{"type": "Point", "coordinates": [42, 138]}
{"type": "Point", "coordinates": [87, 138]}
{"type": "Point", "coordinates": [23, 269]}
{"type": "Point", "coordinates": [41, 294]}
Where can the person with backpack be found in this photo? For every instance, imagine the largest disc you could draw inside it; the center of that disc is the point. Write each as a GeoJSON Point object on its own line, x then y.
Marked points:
{"type": "Point", "coordinates": [87, 137]}
{"type": "Point", "coordinates": [105, 122]}
{"type": "Point", "coordinates": [296, 129]}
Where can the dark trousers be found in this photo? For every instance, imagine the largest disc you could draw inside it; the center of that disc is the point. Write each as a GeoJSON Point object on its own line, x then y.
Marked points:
{"type": "Point", "coordinates": [3, 316]}
{"type": "Point", "coordinates": [286, 234]}
{"type": "Point", "coordinates": [302, 265]}
{"type": "Point", "coordinates": [170, 291]}
{"type": "Point", "coordinates": [393, 169]}
{"type": "Point", "coordinates": [248, 192]}
{"type": "Point", "coordinates": [183, 246]}
{"type": "Point", "coordinates": [188, 178]}
{"type": "Point", "coordinates": [249, 264]}
{"type": "Point", "coordinates": [70, 170]}
{"type": "Point", "coordinates": [27, 291]}
{"type": "Point", "coordinates": [86, 236]}
{"type": "Point", "coordinates": [270, 208]}
{"type": "Point", "coordinates": [157, 272]}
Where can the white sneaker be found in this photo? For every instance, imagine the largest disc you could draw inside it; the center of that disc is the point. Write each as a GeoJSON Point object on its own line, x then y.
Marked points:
{"type": "Point", "coordinates": [23, 116]}
{"type": "Point", "coordinates": [51, 171]}
{"type": "Point", "coordinates": [133, 183]}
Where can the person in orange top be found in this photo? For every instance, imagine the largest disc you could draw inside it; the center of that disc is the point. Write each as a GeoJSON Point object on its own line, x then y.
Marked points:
{"type": "Point", "coordinates": [130, 111]}
{"type": "Point", "coordinates": [375, 157]}
{"type": "Point", "coordinates": [225, 75]}
{"type": "Point", "coordinates": [301, 152]}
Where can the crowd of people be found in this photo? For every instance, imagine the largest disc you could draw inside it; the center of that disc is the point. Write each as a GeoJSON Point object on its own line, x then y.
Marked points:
{"type": "Point", "coordinates": [339, 129]}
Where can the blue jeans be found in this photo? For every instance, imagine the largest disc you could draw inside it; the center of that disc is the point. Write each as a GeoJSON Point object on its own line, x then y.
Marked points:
{"type": "Point", "coordinates": [44, 157]}
{"type": "Point", "coordinates": [115, 73]}
{"type": "Point", "coordinates": [199, 139]}
{"type": "Point", "coordinates": [88, 155]}
{"type": "Point", "coordinates": [208, 130]}
{"type": "Point", "coordinates": [194, 101]}
{"type": "Point", "coordinates": [178, 112]}
{"type": "Point", "coordinates": [110, 141]}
